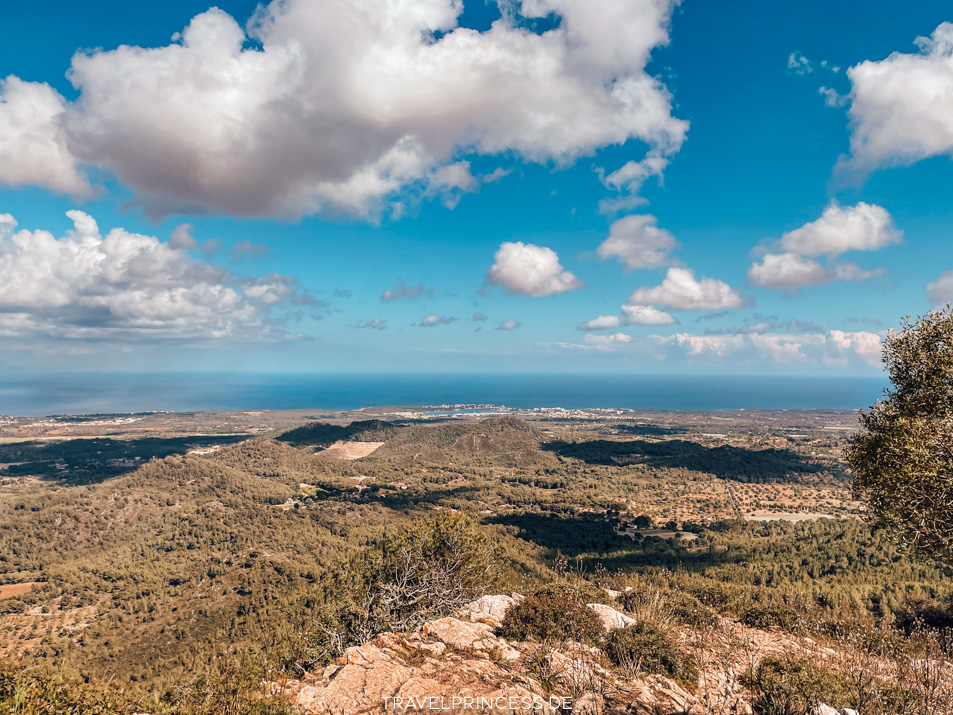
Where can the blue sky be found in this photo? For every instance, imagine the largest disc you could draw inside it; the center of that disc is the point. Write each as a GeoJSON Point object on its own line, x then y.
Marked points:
{"type": "Point", "coordinates": [272, 179]}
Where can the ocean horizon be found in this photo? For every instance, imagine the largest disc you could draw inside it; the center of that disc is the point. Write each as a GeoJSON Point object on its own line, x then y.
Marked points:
{"type": "Point", "coordinates": [94, 393]}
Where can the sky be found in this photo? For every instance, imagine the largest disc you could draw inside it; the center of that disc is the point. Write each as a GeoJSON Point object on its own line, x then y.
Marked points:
{"type": "Point", "coordinates": [434, 185]}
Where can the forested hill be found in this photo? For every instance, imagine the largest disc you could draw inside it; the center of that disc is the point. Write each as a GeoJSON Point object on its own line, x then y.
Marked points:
{"type": "Point", "coordinates": [149, 574]}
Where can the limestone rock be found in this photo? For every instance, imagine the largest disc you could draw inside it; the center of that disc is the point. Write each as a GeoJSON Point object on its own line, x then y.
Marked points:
{"type": "Point", "coordinates": [611, 618]}
{"type": "Point", "coordinates": [823, 709]}
{"type": "Point", "coordinates": [588, 704]}
{"type": "Point", "coordinates": [487, 609]}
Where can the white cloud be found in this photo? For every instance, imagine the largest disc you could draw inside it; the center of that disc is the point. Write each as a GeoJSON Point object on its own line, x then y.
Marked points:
{"type": "Point", "coordinates": [636, 241]}
{"type": "Point", "coordinates": [603, 322]}
{"type": "Point", "coordinates": [602, 342]}
{"type": "Point", "coordinates": [127, 286]}
{"type": "Point", "coordinates": [629, 315]}
{"type": "Point", "coordinates": [645, 315]}
{"type": "Point", "coordinates": [402, 291]}
{"type": "Point", "coordinates": [864, 227]}
{"type": "Point", "coordinates": [799, 64]}
{"type": "Point", "coordinates": [33, 148]}
{"type": "Point", "coordinates": [792, 264]}
{"type": "Point", "coordinates": [372, 324]}
{"type": "Point", "coordinates": [842, 347]}
{"type": "Point", "coordinates": [832, 98]}
{"type": "Point", "coordinates": [432, 320]}
{"type": "Point", "coordinates": [681, 291]}
{"type": "Point", "coordinates": [510, 324]}
{"type": "Point", "coordinates": [834, 348]}
{"type": "Point", "coordinates": [527, 269]}
{"type": "Point", "coordinates": [345, 104]}
{"type": "Point", "coordinates": [629, 179]}
{"type": "Point", "coordinates": [901, 107]}
{"type": "Point", "coordinates": [478, 318]}
{"type": "Point", "coordinates": [940, 291]}
{"type": "Point", "coordinates": [789, 271]}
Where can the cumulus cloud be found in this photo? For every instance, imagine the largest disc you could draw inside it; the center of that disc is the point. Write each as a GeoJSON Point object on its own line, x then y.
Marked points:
{"type": "Point", "coordinates": [940, 291]}
{"type": "Point", "coordinates": [510, 324]}
{"type": "Point", "coordinates": [478, 318]}
{"type": "Point", "coordinates": [864, 227]}
{"type": "Point", "coordinates": [680, 290]}
{"type": "Point", "coordinates": [901, 107]}
{"type": "Point", "coordinates": [337, 105]}
{"type": "Point", "coordinates": [789, 272]}
{"type": "Point", "coordinates": [629, 315]}
{"type": "Point", "coordinates": [636, 241]}
{"type": "Point", "coordinates": [402, 291]}
{"type": "Point", "coordinates": [432, 320]}
{"type": "Point", "coordinates": [183, 239]}
{"type": "Point", "coordinates": [527, 269]}
{"type": "Point", "coordinates": [127, 286]}
{"type": "Point", "coordinates": [33, 146]}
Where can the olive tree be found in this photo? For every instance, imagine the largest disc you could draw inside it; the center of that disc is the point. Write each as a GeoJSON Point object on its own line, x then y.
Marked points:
{"type": "Point", "coordinates": [902, 461]}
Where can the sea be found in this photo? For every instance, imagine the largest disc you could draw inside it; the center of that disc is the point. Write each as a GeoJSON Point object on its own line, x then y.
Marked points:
{"type": "Point", "coordinates": [78, 394]}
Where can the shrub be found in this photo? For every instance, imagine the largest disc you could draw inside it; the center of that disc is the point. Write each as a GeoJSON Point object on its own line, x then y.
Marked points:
{"type": "Point", "coordinates": [769, 615]}
{"type": "Point", "coordinates": [429, 571]}
{"type": "Point", "coordinates": [551, 617]}
{"type": "Point", "coordinates": [665, 605]}
{"type": "Point", "coordinates": [795, 686]}
{"type": "Point", "coordinates": [578, 590]}
{"type": "Point", "coordinates": [647, 648]}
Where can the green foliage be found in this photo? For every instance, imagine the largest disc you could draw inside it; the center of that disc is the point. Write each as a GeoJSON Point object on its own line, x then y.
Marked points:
{"type": "Point", "coordinates": [795, 686]}
{"type": "Point", "coordinates": [726, 461]}
{"type": "Point", "coordinates": [41, 693]}
{"type": "Point", "coordinates": [644, 647]}
{"type": "Point", "coordinates": [902, 462]}
{"type": "Point", "coordinates": [771, 615]}
{"type": "Point", "coordinates": [557, 618]}
{"type": "Point", "coordinates": [674, 605]}
{"type": "Point", "coordinates": [428, 571]}
{"type": "Point", "coordinates": [576, 589]}
{"type": "Point", "coordinates": [322, 434]}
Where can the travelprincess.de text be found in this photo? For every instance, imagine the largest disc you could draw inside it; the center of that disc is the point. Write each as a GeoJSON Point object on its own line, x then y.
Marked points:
{"type": "Point", "coordinates": [512, 703]}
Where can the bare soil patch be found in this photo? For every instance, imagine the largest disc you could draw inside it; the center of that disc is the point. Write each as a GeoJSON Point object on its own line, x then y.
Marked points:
{"type": "Point", "coordinates": [16, 589]}
{"type": "Point", "coordinates": [349, 451]}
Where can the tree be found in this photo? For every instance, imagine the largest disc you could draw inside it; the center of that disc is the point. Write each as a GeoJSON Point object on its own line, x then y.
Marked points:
{"type": "Point", "coordinates": [902, 461]}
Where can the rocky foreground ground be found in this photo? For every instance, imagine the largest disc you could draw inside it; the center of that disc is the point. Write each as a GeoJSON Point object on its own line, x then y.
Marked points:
{"type": "Point", "coordinates": [459, 665]}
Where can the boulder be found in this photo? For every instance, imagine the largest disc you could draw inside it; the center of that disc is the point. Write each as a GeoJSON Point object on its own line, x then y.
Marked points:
{"type": "Point", "coordinates": [611, 618]}
{"type": "Point", "coordinates": [823, 709]}
{"type": "Point", "coordinates": [477, 637]}
{"type": "Point", "coordinates": [487, 609]}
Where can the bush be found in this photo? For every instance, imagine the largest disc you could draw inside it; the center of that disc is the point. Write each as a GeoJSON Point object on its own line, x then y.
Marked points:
{"type": "Point", "coordinates": [578, 590]}
{"type": "Point", "coordinates": [647, 648]}
{"type": "Point", "coordinates": [664, 605]}
{"type": "Point", "coordinates": [795, 686]}
{"type": "Point", "coordinates": [429, 571]}
{"type": "Point", "coordinates": [770, 615]}
{"type": "Point", "coordinates": [33, 692]}
{"type": "Point", "coordinates": [551, 617]}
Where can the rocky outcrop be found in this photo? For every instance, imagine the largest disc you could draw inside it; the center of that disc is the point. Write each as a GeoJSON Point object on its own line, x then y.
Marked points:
{"type": "Point", "coordinates": [459, 665]}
